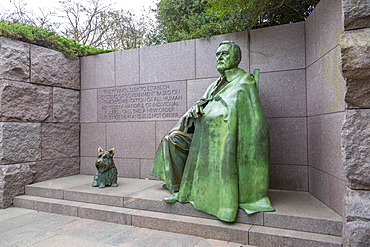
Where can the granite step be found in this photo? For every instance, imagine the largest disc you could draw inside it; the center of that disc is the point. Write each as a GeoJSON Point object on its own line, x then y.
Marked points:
{"type": "Point", "coordinates": [296, 211]}
{"type": "Point", "coordinates": [208, 228]}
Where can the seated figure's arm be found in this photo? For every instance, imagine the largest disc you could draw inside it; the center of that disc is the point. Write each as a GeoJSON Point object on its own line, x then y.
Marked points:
{"type": "Point", "coordinates": [194, 112]}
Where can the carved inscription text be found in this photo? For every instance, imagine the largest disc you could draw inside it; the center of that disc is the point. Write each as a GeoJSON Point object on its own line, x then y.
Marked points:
{"type": "Point", "coordinates": [160, 101]}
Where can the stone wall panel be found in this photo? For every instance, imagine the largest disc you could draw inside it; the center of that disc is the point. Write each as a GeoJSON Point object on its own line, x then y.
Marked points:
{"type": "Point", "coordinates": [53, 68]}
{"type": "Point", "coordinates": [355, 144]}
{"type": "Point", "coordinates": [13, 179]}
{"type": "Point", "coordinates": [325, 85]}
{"type": "Point", "coordinates": [168, 62]}
{"type": "Point", "coordinates": [56, 168]}
{"type": "Point", "coordinates": [60, 140]}
{"type": "Point", "coordinates": [356, 67]}
{"type": "Point", "coordinates": [98, 71]}
{"type": "Point", "coordinates": [25, 102]}
{"type": "Point", "coordinates": [14, 59]}
{"type": "Point", "coordinates": [278, 48]}
{"type": "Point", "coordinates": [356, 14]}
{"type": "Point", "coordinates": [358, 218]}
{"type": "Point", "coordinates": [66, 105]}
{"type": "Point", "coordinates": [20, 142]}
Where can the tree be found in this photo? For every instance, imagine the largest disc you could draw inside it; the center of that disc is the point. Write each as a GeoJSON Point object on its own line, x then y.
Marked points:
{"type": "Point", "coordinates": [43, 18]}
{"type": "Point", "coordinates": [84, 23]}
{"type": "Point", "coordinates": [123, 30]}
{"type": "Point", "coordinates": [186, 19]}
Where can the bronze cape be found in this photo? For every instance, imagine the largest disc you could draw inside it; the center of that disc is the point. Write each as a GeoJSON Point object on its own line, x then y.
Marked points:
{"type": "Point", "coordinates": [227, 165]}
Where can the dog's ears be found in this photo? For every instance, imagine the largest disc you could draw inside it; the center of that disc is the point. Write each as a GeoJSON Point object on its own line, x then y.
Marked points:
{"type": "Point", "coordinates": [100, 150]}
{"type": "Point", "coordinates": [111, 151]}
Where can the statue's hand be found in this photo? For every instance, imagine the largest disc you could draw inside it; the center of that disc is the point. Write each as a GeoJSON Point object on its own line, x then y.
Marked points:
{"type": "Point", "coordinates": [194, 112]}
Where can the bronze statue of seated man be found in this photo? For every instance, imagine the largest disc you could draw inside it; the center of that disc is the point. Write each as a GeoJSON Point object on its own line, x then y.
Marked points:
{"type": "Point", "coordinates": [217, 156]}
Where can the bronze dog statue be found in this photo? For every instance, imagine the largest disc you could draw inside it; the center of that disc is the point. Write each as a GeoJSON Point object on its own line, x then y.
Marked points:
{"type": "Point", "coordinates": [107, 171]}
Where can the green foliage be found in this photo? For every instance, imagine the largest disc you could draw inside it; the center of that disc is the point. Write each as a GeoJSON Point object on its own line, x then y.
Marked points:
{"type": "Point", "coordinates": [187, 19]}
{"type": "Point", "coordinates": [46, 38]}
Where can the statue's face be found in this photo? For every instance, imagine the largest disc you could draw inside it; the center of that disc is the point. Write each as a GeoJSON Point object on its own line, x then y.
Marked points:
{"type": "Point", "coordinates": [225, 58]}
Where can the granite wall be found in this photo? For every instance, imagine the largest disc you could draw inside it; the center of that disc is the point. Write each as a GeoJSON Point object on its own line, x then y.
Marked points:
{"type": "Point", "coordinates": [355, 48]}
{"type": "Point", "coordinates": [325, 103]}
{"type": "Point", "coordinates": [130, 99]}
{"type": "Point", "coordinates": [39, 116]}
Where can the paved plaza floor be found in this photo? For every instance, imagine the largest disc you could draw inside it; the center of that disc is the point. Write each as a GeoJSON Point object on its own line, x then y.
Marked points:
{"type": "Point", "coordinates": [24, 227]}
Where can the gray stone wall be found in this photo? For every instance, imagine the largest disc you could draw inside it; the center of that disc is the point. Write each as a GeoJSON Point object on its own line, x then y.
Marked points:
{"type": "Point", "coordinates": [188, 67]}
{"type": "Point", "coordinates": [302, 91]}
{"type": "Point", "coordinates": [355, 48]}
{"type": "Point", "coordinates": [325, 103]}
{"type": "Point", "coordinates": [39, 116]}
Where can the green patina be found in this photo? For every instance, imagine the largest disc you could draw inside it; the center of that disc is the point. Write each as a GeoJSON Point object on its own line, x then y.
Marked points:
{"type": "Point", "coordinates": [221, 162]}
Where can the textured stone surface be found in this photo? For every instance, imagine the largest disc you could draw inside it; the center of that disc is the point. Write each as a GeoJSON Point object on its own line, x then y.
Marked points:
{"type": "Point", "coordinates": [13, 179]}
{"type": "Point", "coordinates": [327, 188]}
{"type": "Point", "coordinates": [20, 142]}
{"type": "Point", "coordinates": [324, 143]}
{"type": "Point", "coordinates": [329, 25]}
{"type": "Point", "coordinates": [302, 211]}
{"type": "Point", "coordinates": [206, 53]}
{"type": "Point", "coordinates": [51, 169]}
{"type": "Point", "coordinates": [89, 106]}
{"type": "Point", "coordinates": [355, 47]}
{"type": "Point", "coordinates": [24, 101]}
{"type": "Point", "coordinates": [283, 94]}
{"type": "Point", "coordinates": [356, 150]}
{"type": "Point", "coordinates": [14, 59]}
{"type": "Point", "coordinates": [97, 71]}
{"type": "Point", "coordinates": [325, 85]}
{"type": "Point", "coordinates": [60, 140]}
{"type": "Point", "coordinates": [264, 236]}
{"type": "Point", "coordinates": [132, 139]}
{"type": "Point", "coordinates": [127, 67]}
{"type": "Point", "coordinates": [168, 62]}
{"type": "Point", "coordinates": [357, 234]}
{"type": "Point", "coordinates": [164, 101]}
{"type": "Point", "coordinates": [66, 105]}
{"type": "Point", "coordinates": [127, 168]}
{"type": "Point", "coordinates": [357, 205]}
{"type": "Point", "coordinates": [93, 136]}
{"type": "Point", "coordinates": [142, 237]}
{"type": "Point", "coordinates": [278, 48]}
{"type": "Point", "coordinates": [288, 177]}
{"type": "Point", "coordinates": [145, 168]}
{"type": "Point", "coordinates": [288, 140]}
{"type": "Point", "coordinates": [357, 226]}
{"type": "Point", "coordinates": [51, 67]}
{"type": "Point", "coordinates": [356, 14]}
{"type": "Point", "coordinates": [87, 165]}
{"type": "Point", "coordinates": [192, 226]}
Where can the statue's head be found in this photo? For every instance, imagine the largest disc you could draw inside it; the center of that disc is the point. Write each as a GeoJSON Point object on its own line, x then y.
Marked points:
{"type": "Point", "coordinates": [228, 56]}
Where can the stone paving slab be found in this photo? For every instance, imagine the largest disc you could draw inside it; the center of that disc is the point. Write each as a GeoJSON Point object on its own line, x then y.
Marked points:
{"type": "Point", "coordinates": [301, 211]}
{"type": "Point", "coordinates": [264, 236]}
{"type": "Point", "coordinates": [24, 227]}
{"type": "Point", "coordinates": [214, 229]}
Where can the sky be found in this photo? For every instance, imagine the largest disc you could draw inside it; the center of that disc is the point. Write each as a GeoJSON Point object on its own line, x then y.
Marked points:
{"type": "Point", "coordinates": [136, 5]}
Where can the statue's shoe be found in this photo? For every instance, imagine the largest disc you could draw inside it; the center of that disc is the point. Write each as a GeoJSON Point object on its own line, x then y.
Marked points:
{"type": "Point", "coordinates": [172, 198]}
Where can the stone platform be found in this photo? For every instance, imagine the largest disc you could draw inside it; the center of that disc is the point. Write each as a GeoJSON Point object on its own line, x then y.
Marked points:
{"type": "Point", "coordinates": [299, 219]}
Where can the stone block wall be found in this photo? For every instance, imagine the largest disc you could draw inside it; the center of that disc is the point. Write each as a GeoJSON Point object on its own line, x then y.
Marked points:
{"type": "Point", "coordinates": [325, 103]}
{"type": "Point", "coordinates": [355, 49]}
{"type": "Point", "coordinates": [130, 99]}
{"type": "Point", "coordinates": [39, 116]}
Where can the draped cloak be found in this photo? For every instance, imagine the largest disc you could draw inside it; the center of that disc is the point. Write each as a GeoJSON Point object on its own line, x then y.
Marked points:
{"type": "Point", "coordinates": [227, 165]}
